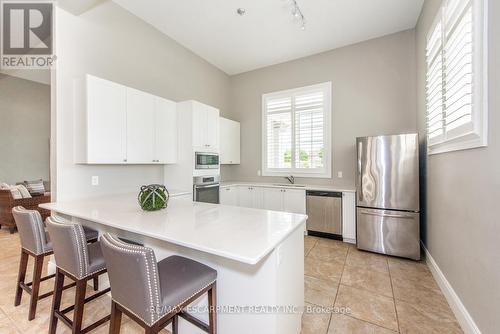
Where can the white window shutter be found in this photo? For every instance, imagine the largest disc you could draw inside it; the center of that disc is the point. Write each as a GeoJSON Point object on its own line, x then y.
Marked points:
{"type": "Point", "coordinates": [296, 132]}
{"type": "Point", "coordinates": [456, 78]}
{"type": "Point", "coordinates": [309, 130]}
{"type": "Point", "coordinates": [434, 85]}
{"type": "Point", "coordinates": [458, 70]}
{"type": "Point", "coordinates": [279, 132]}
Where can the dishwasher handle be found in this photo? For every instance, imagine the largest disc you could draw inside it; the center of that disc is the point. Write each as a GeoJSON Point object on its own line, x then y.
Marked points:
{"type": "Point", "coordinates": [323, 193]}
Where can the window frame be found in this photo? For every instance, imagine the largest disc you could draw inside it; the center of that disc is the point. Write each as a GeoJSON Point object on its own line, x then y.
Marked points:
{"type": "Point", "coordinates": [474, 134]}
{"type": "Point", "coordinates": [326, 171]}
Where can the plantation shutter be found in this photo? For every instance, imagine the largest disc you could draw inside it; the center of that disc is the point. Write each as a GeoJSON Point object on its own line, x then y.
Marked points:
{"type": "Point", "coordinates": [297, 132]}
{"type": "Point", "coordinates": [309, 130]}
{"type": "Point", "coordinates": [450, 73]}
{"type": "Point", "coordinates": [458, 70]}
{"type": "Point", "coordinates": [434, 85]}
{"type": "Point", "coordinates": [279, 132]}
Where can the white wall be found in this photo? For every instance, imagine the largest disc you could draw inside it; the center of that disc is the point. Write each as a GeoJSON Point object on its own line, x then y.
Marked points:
{"type": "Point", "coordinates": [373, 93]}
{"type": "Point", "coordinates": [109, 42]}
{"type": "Point", "coordinates": [462, 227]}
{"type": "Point", "coordinates": [24, 130]}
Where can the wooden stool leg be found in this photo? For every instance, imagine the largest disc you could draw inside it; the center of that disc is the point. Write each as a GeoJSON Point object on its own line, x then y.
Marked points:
{"type": "Point", "coordinates": [56, 301]}
{"type": "Point", "coordinates": [81, 286]}
{"type": "Point", "coordinates": [96, 283]}
{"type": "Point", "coordinates": [212, 314]}
{"type": "Point", "coordinates": [116, 319]}
{"type": "Point", "coordinates": [23, 264]}
{"type": "Point", "coordinates": [155, 329]}
{"type": "Point", "coordinates": [35, 288]}
{"type": "Point", "coordinates": [175, 324]}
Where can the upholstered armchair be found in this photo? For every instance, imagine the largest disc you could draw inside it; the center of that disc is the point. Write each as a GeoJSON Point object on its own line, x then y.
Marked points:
{"type": "Point", "coordinates": [7, 202]}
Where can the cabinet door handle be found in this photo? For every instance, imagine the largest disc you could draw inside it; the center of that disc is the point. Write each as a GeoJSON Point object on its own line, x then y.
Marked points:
{"type": "Point", "coordinates": [124, 160]}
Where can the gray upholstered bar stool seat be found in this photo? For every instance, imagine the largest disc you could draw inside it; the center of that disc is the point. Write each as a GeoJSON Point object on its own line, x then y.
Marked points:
{"type": "Point", "coordinates": [154, 294]}
{"type": "Point", "coordinates": [35, 242]}
{"type": "Point", "coordinates": [80, 262]}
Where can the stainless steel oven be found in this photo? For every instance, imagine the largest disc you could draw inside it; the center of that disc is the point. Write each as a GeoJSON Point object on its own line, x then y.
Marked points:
{"type": "Point", "coordinates": [204, 160]}
{"type": "Point", "coordinates": [206, 189]}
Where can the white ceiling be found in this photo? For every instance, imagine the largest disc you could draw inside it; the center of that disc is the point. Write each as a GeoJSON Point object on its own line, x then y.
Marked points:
{"type": "Point", "coordinates": [268, 34]}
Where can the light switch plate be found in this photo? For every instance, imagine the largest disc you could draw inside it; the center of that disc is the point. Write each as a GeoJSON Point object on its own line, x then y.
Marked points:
{"type": "Point", "coordinates": [95, 180]}
{"type": "Point", "coordinates": [339, 174]}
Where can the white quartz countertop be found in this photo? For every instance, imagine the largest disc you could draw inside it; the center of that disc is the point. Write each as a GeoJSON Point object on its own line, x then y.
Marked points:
{"type": "Point", "coordinates": [241, 234]}
{"type": "Point", "coordinates": [287, 186]}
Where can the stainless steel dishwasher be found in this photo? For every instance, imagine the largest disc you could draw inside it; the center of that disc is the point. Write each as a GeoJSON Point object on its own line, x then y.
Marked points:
{"type": "Point", "coordinates": [324, 209]}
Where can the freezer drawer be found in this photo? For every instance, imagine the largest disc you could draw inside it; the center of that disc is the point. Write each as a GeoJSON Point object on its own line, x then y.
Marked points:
{"type": "Point", "coordinates": [389, 232]}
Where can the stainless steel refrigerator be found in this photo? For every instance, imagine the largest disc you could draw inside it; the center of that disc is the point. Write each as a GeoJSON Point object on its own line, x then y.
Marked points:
{"type": "Point", "coordinates": [387, 195]}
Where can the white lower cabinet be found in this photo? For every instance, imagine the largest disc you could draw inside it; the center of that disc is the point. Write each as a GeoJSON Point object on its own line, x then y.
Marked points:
{"type": "Point", "coordinates": [294, 200]}
{"type": "Point", "coordinates": [272, 199]}
{"type": "Point", "coordinates": [349, 217]}
{"type": "Point", "coordinates": [277, 199]}
{"type": "Point", "coordinates": [287, 200]}
{"type": "Point", "coordinates": [229, 196]}
{"type": "Point", "coordinates": [250, 197]}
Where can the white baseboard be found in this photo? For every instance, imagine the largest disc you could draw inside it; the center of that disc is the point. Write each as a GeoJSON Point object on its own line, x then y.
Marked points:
{"type": "Point", "coordinates": [349, 240]}
{"type": "Point", "coordinates": [463, 317]}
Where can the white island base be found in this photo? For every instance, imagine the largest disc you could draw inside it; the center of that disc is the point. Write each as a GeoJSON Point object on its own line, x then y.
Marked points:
{"type": "Point", "coordinates": [266, 297]}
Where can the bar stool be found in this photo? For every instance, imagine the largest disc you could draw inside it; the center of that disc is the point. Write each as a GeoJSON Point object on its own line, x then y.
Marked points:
{"type": "Point", "coordinates": [80, 262]}
{"type": "Point", "coordinates": [155, 294]}
{"type": "Point", "coordinates": [35, 242]}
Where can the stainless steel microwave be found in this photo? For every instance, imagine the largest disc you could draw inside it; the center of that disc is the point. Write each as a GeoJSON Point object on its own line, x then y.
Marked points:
{"type": "Point", "coordinates": [206, 160]}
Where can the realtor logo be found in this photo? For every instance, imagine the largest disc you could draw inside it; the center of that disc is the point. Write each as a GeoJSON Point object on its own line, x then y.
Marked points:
{"type": "Point", "coordinates": [27, 34]}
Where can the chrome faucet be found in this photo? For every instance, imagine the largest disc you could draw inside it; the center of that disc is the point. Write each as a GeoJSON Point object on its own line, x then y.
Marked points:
{"type": "Point", "coordinates": [290, 179]}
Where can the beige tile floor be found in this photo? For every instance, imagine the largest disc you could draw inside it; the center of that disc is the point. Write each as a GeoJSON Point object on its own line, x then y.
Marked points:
{"type": "Point", "coordinates": [378, 294]}
{"type": "Point", "coordinates": [370, 293]}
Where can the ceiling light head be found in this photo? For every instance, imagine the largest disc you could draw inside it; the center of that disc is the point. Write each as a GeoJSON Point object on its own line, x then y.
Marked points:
{"type": "Point", "coordinates": [297, 14]}
{"type": "Point", "coordinates": [241, 11]}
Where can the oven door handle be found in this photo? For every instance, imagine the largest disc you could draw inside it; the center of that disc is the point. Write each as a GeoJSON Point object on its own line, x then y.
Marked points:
{"type": "Point", "coordinates": [207, 186]}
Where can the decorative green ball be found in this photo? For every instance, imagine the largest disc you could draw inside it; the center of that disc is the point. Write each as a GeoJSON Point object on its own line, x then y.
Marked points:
{"type": "Point", "coordinates": [153, 197]}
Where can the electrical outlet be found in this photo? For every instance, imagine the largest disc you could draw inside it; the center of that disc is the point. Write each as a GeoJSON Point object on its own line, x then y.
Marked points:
{"type": "Point", "coordinates": [95, 180]}
{"type": "Point", "coordinates": [339, 174]}
{"type": "Point", "coordinates": [258, 172]}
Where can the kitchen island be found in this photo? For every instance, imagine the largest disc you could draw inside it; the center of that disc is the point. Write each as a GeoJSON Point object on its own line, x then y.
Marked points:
{"type": "Point", "coordinates": [258, 254]}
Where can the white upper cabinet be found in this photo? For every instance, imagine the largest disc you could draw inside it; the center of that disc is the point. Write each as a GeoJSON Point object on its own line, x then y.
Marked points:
{"type": "Point", "coordinates": [140, 127]}
{"type": "Point", "coordinates": [229, 138]}
{"type": "Point", "coordinates": [165, 131]}
{"type": "Point", "coordinates": [101, 107]}
{"type": "Point", "coordinates": [205, 126]}
{"type": "Point", "coordinates": [115, 124]}
{"type": "Point", "coordinates": [199, 124]}
{"type": "Point", "coordinates": [212, 128]}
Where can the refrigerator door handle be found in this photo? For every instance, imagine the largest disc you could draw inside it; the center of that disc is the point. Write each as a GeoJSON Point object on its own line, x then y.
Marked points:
{"type": "Point", "coordinates": [385, 214]}
{"type": "Point", "coordinates": [360, 176]}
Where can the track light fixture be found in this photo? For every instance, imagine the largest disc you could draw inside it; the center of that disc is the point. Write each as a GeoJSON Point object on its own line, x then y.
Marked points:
{"type": "Point", "coordinates": [297, 14]}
